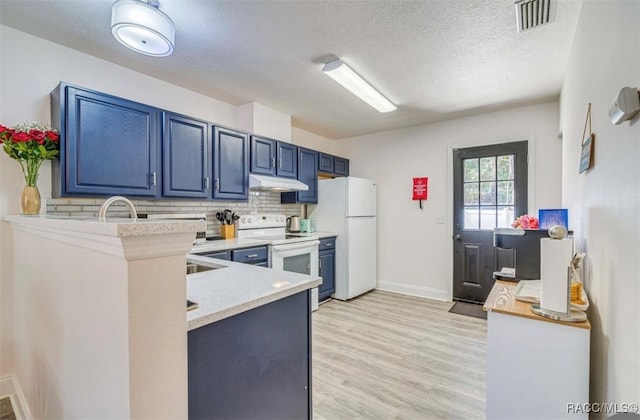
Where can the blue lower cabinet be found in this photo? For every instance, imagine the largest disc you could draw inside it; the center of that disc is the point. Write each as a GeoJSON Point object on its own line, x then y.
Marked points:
{"type": "Point", "coordinates": [230, 164]}
{"type": "Point", "coordinates": [221, 255]}
{"type": "Point", "coordinates": [308, 174]}
{"type": "Point", "coordinates": [257, 255]}
{"type": "Point", "coordinates": [253, 365]}
{"type": "Point", "coordinates": [327, 265]}
{"type": "Point", "coordinates": [185, 157]}
{"type": "Point", "coordinates": [109, 145]}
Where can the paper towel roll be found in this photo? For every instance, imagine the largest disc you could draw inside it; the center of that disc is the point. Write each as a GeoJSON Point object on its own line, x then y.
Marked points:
{"type": "Point", "coordinates": [555, 257]}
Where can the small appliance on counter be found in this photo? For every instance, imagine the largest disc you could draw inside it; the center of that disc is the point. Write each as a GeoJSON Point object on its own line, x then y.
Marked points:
{"type": "Point", "coordinates": [293, 224]}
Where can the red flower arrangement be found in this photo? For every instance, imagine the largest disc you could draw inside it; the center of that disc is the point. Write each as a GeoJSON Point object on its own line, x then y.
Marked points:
{"type": "Point", "coordinates": [526, 222]}
{"type": "Point", "coordinates": [30, 144]}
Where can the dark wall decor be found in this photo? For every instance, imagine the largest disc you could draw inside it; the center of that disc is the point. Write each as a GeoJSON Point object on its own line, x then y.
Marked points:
{"type": "Point", "coordinates": [588, 140]}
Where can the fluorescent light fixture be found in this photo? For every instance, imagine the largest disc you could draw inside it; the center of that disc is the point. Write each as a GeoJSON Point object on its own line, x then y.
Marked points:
{"type": "Point", "coordinates": [140, 26]}
{"type": "Point", "coordinates": [355, 84]}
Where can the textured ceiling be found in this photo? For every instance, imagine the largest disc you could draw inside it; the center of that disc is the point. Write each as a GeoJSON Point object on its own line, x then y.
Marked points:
{"type": "Point", "coordinates": [435, 59]}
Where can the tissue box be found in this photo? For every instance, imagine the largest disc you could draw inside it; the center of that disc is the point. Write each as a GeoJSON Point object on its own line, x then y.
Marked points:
{"type": "Point", "coordinates": [552, 217]}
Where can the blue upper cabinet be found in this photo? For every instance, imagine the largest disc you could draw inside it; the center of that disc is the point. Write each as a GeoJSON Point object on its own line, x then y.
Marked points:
{"type": "Point", "coordinates": [263, 156]}
{"type": "Point", "coordinates": [109, 145]}
{"type": "Point", "coordinates": [307, 173]}
{"type": "Point", "coordinates": [333, 165]}
{"type": "Point", "coordinates": [230, 164]}
{"type": "Point", "coordinates": [340, 166]}
{"type": "Point", "coordinates": [287, 158]}
{"type": "Point", "coordinates": [272, 157]}
{"type": "Point", "coordinates": [185, 157]}
{"type": "Point", "coordinates": [325, 162]}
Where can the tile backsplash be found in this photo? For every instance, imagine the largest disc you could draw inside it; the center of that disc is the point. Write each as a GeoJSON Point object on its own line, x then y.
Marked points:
{"type": "Point", "coordinates": [259, 202]}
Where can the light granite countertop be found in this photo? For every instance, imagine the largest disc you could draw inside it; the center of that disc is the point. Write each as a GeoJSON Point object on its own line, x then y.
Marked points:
{"type": "Point", "coordinates": [116, 227]}
{"type": "Point", "coordinates": [232, 288]}
{"type": "Point", "coordinates": [236, 243]}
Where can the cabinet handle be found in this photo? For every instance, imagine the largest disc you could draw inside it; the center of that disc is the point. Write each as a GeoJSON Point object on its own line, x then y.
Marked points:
{"type": "Point", "coordinates": [320, 264]}
{"type": "Point", "coordinates": [217, 184]}
{"type": "Point", "coordinates": [273, 162]}
{"type": "Point", "coordinates": [327, 244]}
{"type": "Point", "coordinates": [153, 178]}
{"type": "Point", "coordinates": [206, 183]}
{"type": "Point", "coordinates": [252, 255]}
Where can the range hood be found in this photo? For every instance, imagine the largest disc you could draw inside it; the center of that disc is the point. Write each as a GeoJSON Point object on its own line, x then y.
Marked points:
{"type": "Point", "coordinates": [272, 183]}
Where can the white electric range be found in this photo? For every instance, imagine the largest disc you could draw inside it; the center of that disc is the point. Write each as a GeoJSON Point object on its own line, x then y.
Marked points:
{"type": "Point", "coordinates": [289, 251]}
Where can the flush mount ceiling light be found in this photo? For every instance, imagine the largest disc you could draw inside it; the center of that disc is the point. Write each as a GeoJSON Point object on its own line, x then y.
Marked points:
{"type": "Point", "coordinates": [141, 26]}
{"type": "Point", "coordinates": [355, 84]}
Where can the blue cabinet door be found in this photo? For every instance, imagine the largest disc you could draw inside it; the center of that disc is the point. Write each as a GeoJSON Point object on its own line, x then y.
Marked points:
{"type": "Point", "coordinates": [341, 166]}
{"type": "Point", "coordinates": [109, 145]}
{"type": "Point", "coordinates": [253, 365]}
{"type": "Point", "coordinates": [325, 162]}
{"type": "Point", "coordinates": [327, 267]}
{"type": "Point", "coordinates": [185, 160]}
{"type": "Point", "coordinates": [287, 158]}
{"type": "Point", "coordinates": [230, 164]}
{"type": "Point", "coordinates": [307, 173]}
{"type": "Point", "coordinates": [263, 155]}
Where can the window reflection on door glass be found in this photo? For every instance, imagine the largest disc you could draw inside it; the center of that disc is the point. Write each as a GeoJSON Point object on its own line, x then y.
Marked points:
{"type": "Point", "coordinates": [506, 167]}
{"type": "Point", "coordinates": [506, 216]}
{"type": "Point", "coordinates": [488, 168]}
{"type": "Point", "coordinates": [487, 217]}
{"type": "Point", "coordinates": [471, 170]}
{"type": "Point", "coordinates": [471, 194]}
{"type": "Point", "coordinates": [471, 218]}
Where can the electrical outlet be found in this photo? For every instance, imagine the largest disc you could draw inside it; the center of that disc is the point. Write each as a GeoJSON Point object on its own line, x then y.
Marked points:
{"type": "Point", "coordinates": [440, 219]}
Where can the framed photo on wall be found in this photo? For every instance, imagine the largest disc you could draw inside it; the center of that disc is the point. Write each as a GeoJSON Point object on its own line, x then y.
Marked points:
{"type": "Point", "coordinates": [586, 154]}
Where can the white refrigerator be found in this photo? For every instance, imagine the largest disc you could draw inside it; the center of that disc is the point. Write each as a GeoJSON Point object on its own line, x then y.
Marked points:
{"type": "Point", "coordinates": [347, 206]}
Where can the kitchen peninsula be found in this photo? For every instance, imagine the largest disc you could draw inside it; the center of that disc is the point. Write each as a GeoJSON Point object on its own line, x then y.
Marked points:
{"type": "Point", "coordinates": [116, 290]}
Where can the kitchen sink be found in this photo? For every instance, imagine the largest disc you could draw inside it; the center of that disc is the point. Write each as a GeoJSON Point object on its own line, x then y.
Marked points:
{"type": "Point", "coordinates": [193, 268]}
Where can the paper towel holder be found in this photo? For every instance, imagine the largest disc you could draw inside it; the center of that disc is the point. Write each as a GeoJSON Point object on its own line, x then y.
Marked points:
{"type": "Point", "coordinates": [572, 315]}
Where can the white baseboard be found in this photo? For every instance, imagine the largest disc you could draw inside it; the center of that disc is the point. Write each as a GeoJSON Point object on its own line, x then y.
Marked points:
{"type": "Point", "coordinates": [9, 386]}
{"type": "Point", "coordinates": [413, 290]}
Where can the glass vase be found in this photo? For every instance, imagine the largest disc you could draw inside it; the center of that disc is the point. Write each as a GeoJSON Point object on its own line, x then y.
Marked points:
{"type": "Point", "coordinates": [30, 200]}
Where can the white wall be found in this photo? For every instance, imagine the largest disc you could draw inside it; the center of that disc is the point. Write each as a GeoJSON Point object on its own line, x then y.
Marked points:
{"type": "Point", "coordinates": [415, 253]}
{"type": "Point", "coordinates": [605, 201]}
{"type": "Point", "coordinates": [261, 120]}
{"type": "Point", "coordinates": [24, 95]}
{"type": "Point", "coordinates": [313, 141]}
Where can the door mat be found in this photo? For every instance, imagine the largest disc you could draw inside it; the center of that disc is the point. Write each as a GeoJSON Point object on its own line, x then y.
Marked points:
{"type": "Point", "coordinates": [6, 410]}
{"type": "Point", "coordinates": [469, 309]}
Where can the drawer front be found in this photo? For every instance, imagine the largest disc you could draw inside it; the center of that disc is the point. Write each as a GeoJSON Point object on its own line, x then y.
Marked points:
{"type": "Point", "coordinates": [250, 255]}
{"type": "Point", "coordinates": [329, 243]}
{"type": "Point", "coordinates": [222, 255]}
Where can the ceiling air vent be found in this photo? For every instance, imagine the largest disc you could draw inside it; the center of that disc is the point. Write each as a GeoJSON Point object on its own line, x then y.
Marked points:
{"type": "Point", "coordinates": [533, 13]}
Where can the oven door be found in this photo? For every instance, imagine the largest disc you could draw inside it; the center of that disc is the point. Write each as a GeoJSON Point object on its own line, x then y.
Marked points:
{"type": "Point", "coordinates": [298, 257]}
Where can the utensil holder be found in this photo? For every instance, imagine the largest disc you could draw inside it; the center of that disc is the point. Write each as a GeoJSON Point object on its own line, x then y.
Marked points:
{"type": "Point", "coordinates": [228, 231]}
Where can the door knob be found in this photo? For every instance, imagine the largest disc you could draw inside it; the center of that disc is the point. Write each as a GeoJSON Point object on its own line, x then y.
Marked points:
{"type": "Point", "coordinates": [457, 237]}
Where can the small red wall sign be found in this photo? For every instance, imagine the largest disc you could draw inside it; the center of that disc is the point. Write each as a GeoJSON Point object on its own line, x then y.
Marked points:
{"type": "Point", "coordinates": [420, 187]}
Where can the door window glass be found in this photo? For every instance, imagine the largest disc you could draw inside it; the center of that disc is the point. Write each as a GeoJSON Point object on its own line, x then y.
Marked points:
{"type": "Point", "coordinates": [489, 192]}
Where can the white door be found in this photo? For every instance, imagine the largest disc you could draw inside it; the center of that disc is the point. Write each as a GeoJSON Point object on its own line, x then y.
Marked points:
{"type": "Point", "coordinates": [361, 195]}
{"type": "Point", "coordinates": [361, 255]}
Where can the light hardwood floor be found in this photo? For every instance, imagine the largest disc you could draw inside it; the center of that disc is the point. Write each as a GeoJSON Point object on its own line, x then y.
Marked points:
{"type": "Point", "coordinates": [391, 356]}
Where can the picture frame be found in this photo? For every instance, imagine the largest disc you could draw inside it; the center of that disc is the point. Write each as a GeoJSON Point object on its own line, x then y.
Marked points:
{"type": "Point", "coordinates": [586, 156]}
{"type": "Point", "coordinates": [588, 141]}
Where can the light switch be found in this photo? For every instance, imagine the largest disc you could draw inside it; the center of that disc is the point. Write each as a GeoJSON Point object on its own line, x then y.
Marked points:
{"type": "Point", "coordinates": [440, 219]}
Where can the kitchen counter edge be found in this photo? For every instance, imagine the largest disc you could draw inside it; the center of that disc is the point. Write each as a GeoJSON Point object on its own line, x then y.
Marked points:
{"type": "Point", "coordinates": [233, 288]}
